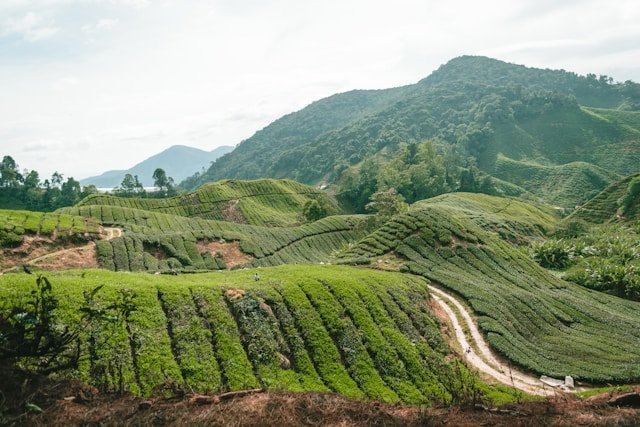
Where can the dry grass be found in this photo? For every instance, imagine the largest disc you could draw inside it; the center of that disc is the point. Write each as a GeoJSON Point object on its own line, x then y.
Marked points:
{"type": "Point", "coordinates": [283, 409]}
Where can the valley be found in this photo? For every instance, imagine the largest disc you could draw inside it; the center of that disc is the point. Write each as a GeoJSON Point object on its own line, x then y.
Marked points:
{"type": "Point", "coordinates": [444, 244]}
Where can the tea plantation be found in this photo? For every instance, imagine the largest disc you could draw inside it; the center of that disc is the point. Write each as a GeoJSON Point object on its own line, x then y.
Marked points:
{"type": "Point", "coordinates": [15, 224]}
{"type": "Point", "coordinates": [610, 205]}
{"type": "Point", "coordinates": [157, 241]}
{"type": "Point", "coordinates": [361, 333]}
{"type": "Point", "coordinates": [564, 185]}
{"type": "Point", "coordinates": [265, 202]}
{"type": "Point", "coordinates": [540, 322]}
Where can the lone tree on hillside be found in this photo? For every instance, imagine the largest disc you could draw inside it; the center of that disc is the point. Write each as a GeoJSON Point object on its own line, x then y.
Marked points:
{"type": "Point", "coordinates": [313, 210]}
{"type": "Point", "coordinates": [162, 182]}
{"type": "Point", "coordinates": [386, 203]}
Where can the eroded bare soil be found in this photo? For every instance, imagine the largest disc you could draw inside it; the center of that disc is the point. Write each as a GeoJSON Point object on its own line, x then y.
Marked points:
{"type": "Point", "coordinates": [231, 252]}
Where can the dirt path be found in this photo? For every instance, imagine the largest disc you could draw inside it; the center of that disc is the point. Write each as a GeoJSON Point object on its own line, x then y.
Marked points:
{"type": "Point", "coordinates": [478, 354]}
{"type": "Point", "coordinates": [74, 257]}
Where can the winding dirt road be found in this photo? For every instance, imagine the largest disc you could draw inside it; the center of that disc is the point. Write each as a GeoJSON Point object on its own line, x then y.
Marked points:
{"type": "Point", "coordinates": [478, 354]}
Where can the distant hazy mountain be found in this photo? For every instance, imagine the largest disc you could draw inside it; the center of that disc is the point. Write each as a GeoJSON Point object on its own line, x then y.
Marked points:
{"type": "Point", "coordinates": [178, 162]}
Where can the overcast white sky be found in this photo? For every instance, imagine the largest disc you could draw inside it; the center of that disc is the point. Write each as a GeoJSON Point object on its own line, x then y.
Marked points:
{"type": "Point", "coordinates": [92, 85]}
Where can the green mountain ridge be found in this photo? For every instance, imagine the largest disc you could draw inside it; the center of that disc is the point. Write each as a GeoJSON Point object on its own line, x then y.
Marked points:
{"type": "Point", "coordinates": [481, 106]}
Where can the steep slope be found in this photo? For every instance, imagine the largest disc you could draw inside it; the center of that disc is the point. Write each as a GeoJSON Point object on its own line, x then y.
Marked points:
{"type": "Point", "coordinates": [264, 202]}
{"type": "Point", "coordinates": [273, 148]}
{"type": "Point", "coordinates": [608, 204]}
{"type": "Point", "coordinates": [484, 106]}
{"type": "Point", "coordinates": [363, 334]}
{"type": "Point", "coordinates": [536, 320]}
{"type": "Point", "coordinates": [178, 161]}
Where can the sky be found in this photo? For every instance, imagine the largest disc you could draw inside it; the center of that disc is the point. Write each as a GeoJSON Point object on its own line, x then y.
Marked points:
{"type": "Point", "coordinates": [92, 85]}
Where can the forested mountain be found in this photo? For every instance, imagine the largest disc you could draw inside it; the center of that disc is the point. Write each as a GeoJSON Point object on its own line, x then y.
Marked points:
{"type": "Point", "coordinates": [178, 161]}
{"type": "Point", "coordinates": [479, 106]}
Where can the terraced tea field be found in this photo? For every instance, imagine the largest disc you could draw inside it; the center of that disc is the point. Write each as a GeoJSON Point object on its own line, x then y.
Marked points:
{"type": "Point", "coordinates": [605, 205]}
{"type": "Point", "coordinates": [564, 185]}
{"type": "Point", "coordinates": [15, 224]}
{"type": "Point", "coordinates": [361, 333]}
{"type": "Point", "coordinates": [156, 241]}
{"type": "Point", "coordinates": [266, 202]}
{"type": "Point", "coordinates": [542, 323]}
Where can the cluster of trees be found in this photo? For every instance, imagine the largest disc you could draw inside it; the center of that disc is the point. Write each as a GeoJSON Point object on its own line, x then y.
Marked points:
{"type": "Point", "coordinates": [416, 171]}
{"type": "Point", "coordinates": [132, 187]}
{"type": "Point", "coordinates": [25, 190]}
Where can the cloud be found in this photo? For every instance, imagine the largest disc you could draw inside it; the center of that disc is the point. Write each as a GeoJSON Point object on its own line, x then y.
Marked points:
{"type": "Point", "coordinates": [104, 24]}
{"type": "Point", "coordinates": [134, 76]}
{"type": "Point", "coordinates": [64, 82]}
{"type": "Point", "coordinates": [30, 27]}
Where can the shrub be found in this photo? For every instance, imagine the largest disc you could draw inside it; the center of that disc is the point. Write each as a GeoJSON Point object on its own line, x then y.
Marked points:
{"type": "Point", "coordinates": [554, 254]}
{"type": "Point", "coordinates": [9, 239]}
{"type": "Point", "coordinates": [609, 276]}
{"type": "Point", "coordinates": [30, 333]}
{"type": "Point", "coordinates": [631, 196]}
{"type": "Point", "coordinates": [313, 211]}
{"type": "Point", "coordinates": [571, 229]}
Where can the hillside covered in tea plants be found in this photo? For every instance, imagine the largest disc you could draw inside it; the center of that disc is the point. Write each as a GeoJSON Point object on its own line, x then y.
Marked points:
{"type": "Point", "coordinates": [360, 333]}
{"type": "Point", "coordinates": [549, 326]}
{"type": "Point", "coordinates": [472, 245]}
{"type": "Point", "coordinates": [264, 202]}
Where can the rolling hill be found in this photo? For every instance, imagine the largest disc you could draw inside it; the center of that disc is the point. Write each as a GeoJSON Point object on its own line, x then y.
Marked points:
{"type": "Point", "coordinates": [536, 320]}
{"type": "Point", "coordinates": [264, 202]}
{"type": "Point", "coordinates": [354, 330]}
{"type": "Point", "coordinates": [565, 185]}
{"type": "Point", "coordinates": [482, 106]}
{"type": "Point", "coordinates": [178, 161]}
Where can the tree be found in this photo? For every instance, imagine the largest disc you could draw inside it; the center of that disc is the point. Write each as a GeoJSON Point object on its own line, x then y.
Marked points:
{"type": "Point", "coordinates": [313, 211]}
{"type": "Point", "coordinates": [138, 187]}
{"type": "Point", "coordinates": [56, 179]}
{"type": "Point", "coordinates": [386, 203]}
{"type": "Point", "coordinates": [163, 183]}
{"type": "Point", "coordinates": [160, 178]}
{"type": "Point", "coordinates": [32, 180]}
{"type": "Point", "coordinates": [88, 190]}
{"type": "Point", "coordinates": [127, 186]}
{"type": "Point", "coordinates": [70, 192]}
{"type": "Point", "coordinates": [9, 174]}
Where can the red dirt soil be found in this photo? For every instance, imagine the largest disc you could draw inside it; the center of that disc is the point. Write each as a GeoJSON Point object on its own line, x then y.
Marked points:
{"type": "Point", "coordinates": [47, 254]}
{"type": "Point", "coordinates": [231, 252]}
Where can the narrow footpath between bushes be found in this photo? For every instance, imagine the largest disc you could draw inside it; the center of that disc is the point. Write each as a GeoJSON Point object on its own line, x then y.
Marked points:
{"type": "Point", "coordinates": [477, 353]}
